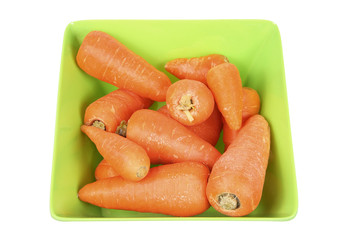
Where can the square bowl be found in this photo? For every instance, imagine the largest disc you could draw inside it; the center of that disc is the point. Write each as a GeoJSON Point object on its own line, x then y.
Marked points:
{"type": "Point", "coordinates": [254, 46]}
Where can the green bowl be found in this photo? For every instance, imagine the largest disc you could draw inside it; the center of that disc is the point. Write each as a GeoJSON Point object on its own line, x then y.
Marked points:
{"type": "Point", "coordinates": [254, 46]}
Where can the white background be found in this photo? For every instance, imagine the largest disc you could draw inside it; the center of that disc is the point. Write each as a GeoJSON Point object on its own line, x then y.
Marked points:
{"type": "Point", "coordinates": [322, 61]}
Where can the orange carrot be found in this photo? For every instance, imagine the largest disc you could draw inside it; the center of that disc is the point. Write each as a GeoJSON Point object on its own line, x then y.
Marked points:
{"type": "Point", "coordinates": [228, 135]}
{"type": "Point", "coordinates": [126, 157]}
{"type": "Point", "coordinates": [103, 57]}
{"type": "Point", "coordinates": [175, 189]}
{"type": "Point", "coordinates": [108, 111]}
{"type": "Point", "coordinates": [167, 141]}
{"type": "Point", "coordinates": [194, 68]}
{"type": "Point", "coordinates": [225, 83]}
{"type": "Point", "coordinates": [237, 178]}
{"type": "Point", "coordinates": [251, 103]}
{"type": "Point", "coordinates": [208, 130]}
{"type": "Point", "coordinates": [189, 102]}
{"type": "Point", "coordinates": [251, 106]}
{"type": "Point", "coordinates": [105, 170]}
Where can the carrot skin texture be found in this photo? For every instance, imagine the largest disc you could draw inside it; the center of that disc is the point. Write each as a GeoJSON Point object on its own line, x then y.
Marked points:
{"type": "Point", "coordinates": [105, 58]}
{"type": "Point", "coordinates": [228, 135]}
{"type": "Point", "coordinates": [194, 68]}
{"type": "Point", "coordinates": [208, 130]}
{"type": "Point", "coordinates": [105, 170]}
{"type": "Point", "coordinates": [167, 141]}
{"type": "Point", "coordinates": [225, 83]}
{"type": "Point", "coordinates": [114, 107]}
{"type": "Point", "coordinates": [251, 103]}
{"type": "Point", "coordinates": [241, 169]}
{"type": "Point", "coordinates": [126, 157]}
{"type": "Point", "coordinates": [251, 107]}
{"type": "Point", "coordinates": [175, 189]}
{"type": "Point", "coordinates": [201, 99]}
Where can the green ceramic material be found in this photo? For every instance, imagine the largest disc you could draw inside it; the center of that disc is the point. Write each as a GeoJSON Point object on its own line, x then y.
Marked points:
{"type": "Point", "coordinates": [254, 46]}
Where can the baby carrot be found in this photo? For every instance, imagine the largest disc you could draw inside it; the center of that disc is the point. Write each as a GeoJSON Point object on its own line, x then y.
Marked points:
{"type": "Point", "coordinates": [251, 106]}
{"type": "Point", "coordinates": [126, 157]}
{"type": "Point", "coordinates": [225, 83]}
{"type": "Point", "coordinates": [194, 68]}
{"type": "Point", "coordinates": [175, 189]}
{"type": "Point", "coordinates": [237, 178]}
{"type": "Point", "coordinates": [167, 141]}
{"type": "Point", "coordinates": [209, 130]}
{"type": "Point", "coordinates": [104, 170]}
{"type": "Point", "coordinates": [189, 102]}
{"type": "Point", "coordinates": [103, 57]}
{"type": "Point", "coordinates": [108, 111]}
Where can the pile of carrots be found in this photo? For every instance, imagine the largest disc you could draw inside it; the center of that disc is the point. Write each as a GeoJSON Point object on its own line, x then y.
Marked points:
{"type": "Point", "coordinates": [192, 174]}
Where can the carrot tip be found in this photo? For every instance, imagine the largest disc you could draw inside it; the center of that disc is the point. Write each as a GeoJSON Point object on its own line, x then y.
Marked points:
{"type": "Point", "coordinates": [99, 124]}
{"type": "Point", "coordinates": [228, 201]}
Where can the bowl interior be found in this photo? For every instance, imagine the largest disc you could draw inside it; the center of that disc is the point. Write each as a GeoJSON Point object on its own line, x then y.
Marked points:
{"type": "Point", "coordinates": [254, 46]}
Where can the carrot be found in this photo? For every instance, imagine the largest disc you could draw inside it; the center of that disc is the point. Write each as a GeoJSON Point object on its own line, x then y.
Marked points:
{"type": "Point", "coordinates": [167, 141]}
{"type": "Point", "coordinates": [225, 83]}
{"type": "Point", "coordinates": [108, 111]}
{"type": "Point", "coordinates": [175, 189]}
{"type": "Point", "coordinates": [208, 130]}
{"type": "Point", "coordinates": [105, 170]}
{"type": "Point", "coordinates": [251, 103]}
{"type": "Point", "coordinates": [194, 68]}
{"type": "Point", "coordinates": [251, 106]}
{"type": "Point", "coordinates": [237, 178]}
{"type": "Point", "coordinates": [189, 102]}
{"type": "Point", "coordinates": [103, 57]}
{"type": "Point", "coordinates": [228, 135]}
{"type": "Point", "coordinates": [127, 158]}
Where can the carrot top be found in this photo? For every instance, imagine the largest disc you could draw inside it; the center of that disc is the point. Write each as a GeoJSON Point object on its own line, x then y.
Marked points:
{"type": "Point", "coordinates": [189, 102]}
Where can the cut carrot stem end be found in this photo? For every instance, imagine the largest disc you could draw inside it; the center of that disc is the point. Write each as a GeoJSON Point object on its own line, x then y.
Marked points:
{"type": "Point", "coordinates": [99, 124]}
{"type": "Point", "coordinates": [228, 201]}
{"type": "Point", "coordinates": [142, 171]}
{"type": "Point", "coordinates": [121, 129]}
{"type": "Point", "coordinates": [189, 116]}
{"type": "Point", "coordinates": [185, 105]}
